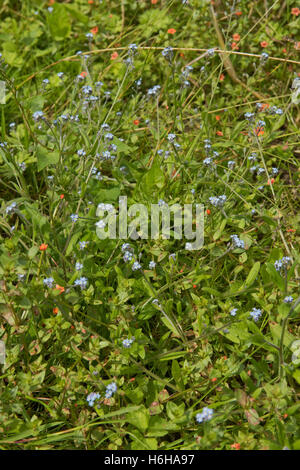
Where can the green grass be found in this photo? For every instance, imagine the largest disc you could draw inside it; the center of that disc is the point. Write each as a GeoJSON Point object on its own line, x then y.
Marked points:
{"type": "Point", "coordinates": [63, 343]}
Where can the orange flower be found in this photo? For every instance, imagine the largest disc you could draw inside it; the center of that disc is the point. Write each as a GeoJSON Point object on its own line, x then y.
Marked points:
{"type": "Point", "coordinates": [264, 106]}
{"type": "Point", "coordinates": [208, 211]}
{"type": "Point", "coordinates": [222, 76]}
{"type": "Point", "coordinates": [236, 37]}
{"type": "Point", "coordinates": [259, 131]}
{"type": "Point", "coordinates": [51, 2]}
{"type": "Point", "coordinates": [234, 46]}
{"type": "Point", "coordinates": [271, 181]}
{"type": "Point", "coordinates": [291, 230]}
{"type": "Point", "coordinates": [284, 50]}
{"type": "Point", "coordinates": [264, 44]}
{"type": "Point", "coordinates": [218, 117]}
{"type": "Point", "coordinates": [60, 288]}
{"type": "Point", "coordinates": [61, 196]}
{"type": "Point", "coordinates": [154, 2]}
{"type": "Point", "coordinates": [55, 310]}
{"type": "Point", "coordinates": [220, 133]}
{"type": "Point", "coordinates": [83, 74]}
{"type": "Point", "coordinates": [114, 55]}
{"type": "Point", "coordinates": [94, 30]}
{"type": "Point", "coordinates": [214, 379]}
{"type": "Point", "coordinates": [238, 13]}
{"type": "Point", "coordinates": [43, 247]}
{"type": "Point", "coordinates": [171, 31]}
{"type": "Point", "coordinates": [182, 54]}
{"type": "Point", "coordinates": [236, 446]}
{"type": "Point", "coordinates": [136, 122]}
{"type": "Point", "coordinates": [90, 2]}
{"type": "Point", "coordinates": [295, 11]}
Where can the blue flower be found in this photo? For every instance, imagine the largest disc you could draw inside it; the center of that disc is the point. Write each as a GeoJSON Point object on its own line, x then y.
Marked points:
{"type": "Point", "coordinates": [136, 266]}
{"type": "Point", "coordinates": [128, 342]}
{"type": "Point", "coordinates": [11, 208]}
{"type": "Point", "coordinates": [255, 313]}
{"type": "Point", "coordinates": [171, 137]}
{"type": "Point", "coordinates": [205, 415]}
{"type": "Point", "coordinates": [38, 115]}
{"type": "Point", "coordinates": [92, 397]}
{"type": "Point", "coordinates": [87, 90]}
{"type": "Point", "coordinates": [152, 265]}
{"type": "Point", "coordinates": [82, 282]}
{"type": "Point", "coordinates": [153, 91]}
{"type": "Point", "coordinates": [127, 256]}
{"type": "Point", "coordinates": [81, 153]}
{"type": "Point", "coordinates": [249, 116]}
{"type": "Point", "coordinates": [78, 266]}
{"type": "Point", "coordinates": [264, 57]}
{"type": "Point", "coordinates": [282, 263]}
{"type": "Point", "coordinates": [208, 161]}
{"type": "Point", "coordinates": [237, 242]}
{"type": "Point", "coordinates": [288, 300]}
{"type": "Point", "coordinates": [110, 390]}
{"type": "Point", "coordinates": [218, 201]}
{"type": "Point", "coordinates": [210, 52]}
{"type": "Point", "coordinates": [82, 245]}
{"type": "Point", "coordinates": [49, 282]}
{"type": "Point", "coordinates": [74, 217]}
{"type": "Point", "coordinates": [167, 53]}
{"type": "Point", "coordinates": [233, 312]}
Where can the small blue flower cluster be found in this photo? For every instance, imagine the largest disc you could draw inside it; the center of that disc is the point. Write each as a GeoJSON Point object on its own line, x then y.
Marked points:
{"type": "Point", "coordinates": [74, 217]}
{"type": "Point", "coordinates": [205, 415]}
{"type": "Point", "coordinates": [49, 282]}
{"type": "Point", "coordinates": [255, 313]}
{"type": "Point", "coordinates": [167, 53]}
{"type": "Point", "coordinates": [92, 397]}
{"type": "Point", "coordinates": [128, 342]}
{"type": "Point", "coordinates": [11, 208]}
{"type": "Point", "coordinates": [288, 300]}
{"type": "Point", "coordinates": [218, 201]}
{"type": "Point", "coordinates": [154, 91]}
{"type": "Point", "coordinates": [81, 153]}
{"type": "Point", "coordinates": [237, 242]}
{"type": "Point", "coordinates": [282, 263]}
{"type": "Point", "coordinates": [38, 115]}
{"type": "Point", "coordinates": [110, 390]}
{"type": "Point", "coordinates": [136, 265]}
{"type": "Point", "coordinates": [82, 282]}
{"type": "Point", "coordinates": [82, 245]}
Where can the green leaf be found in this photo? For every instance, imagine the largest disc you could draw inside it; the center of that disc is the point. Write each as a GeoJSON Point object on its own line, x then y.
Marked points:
{"type": "Point", "coordinates": [252, 274]}
{"type": "Point", "coordinates": [76, 13]}
{"type": "Point", "coordinates": [252, 417]}
{"type": "Point", "coordinates": [177, 376]}
{"type": "Point", "coordinates": [46, 157]}
{"type": "Point", "coordinates": [140, 419]}
{"type": "Point", "coordinates": [59, 22]}
{"type": "Point", "coordinates": [152, 180]}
